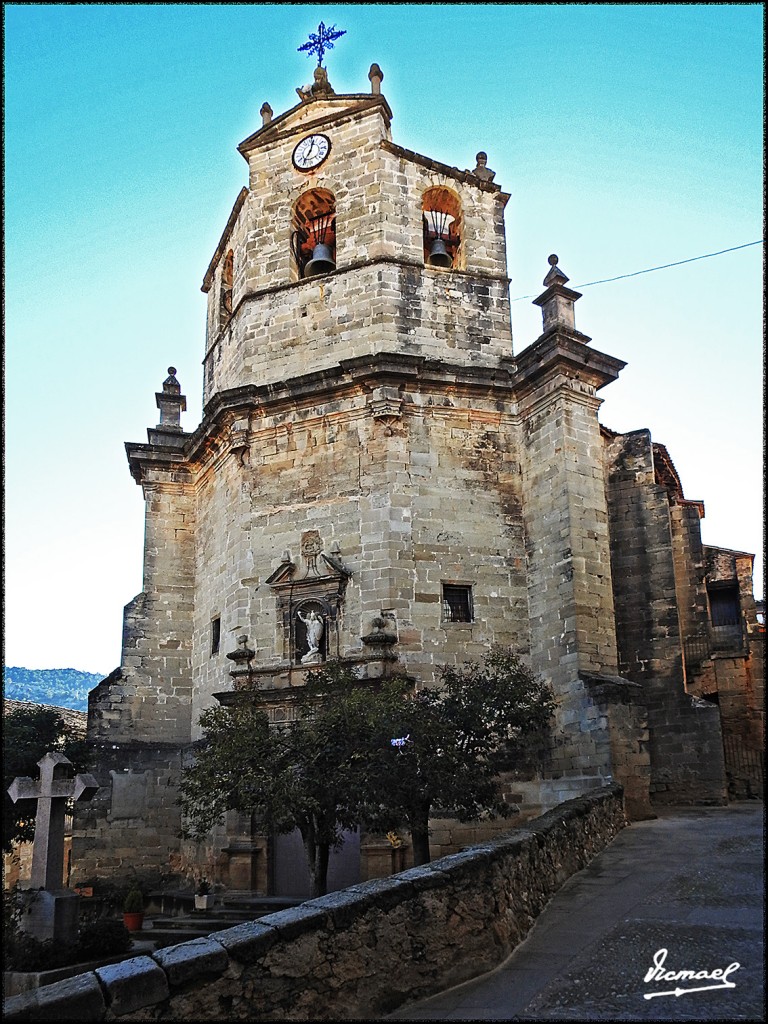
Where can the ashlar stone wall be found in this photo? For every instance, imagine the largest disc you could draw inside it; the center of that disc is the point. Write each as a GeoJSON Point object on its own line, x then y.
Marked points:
{"type": "Point", "coordinates": [685, 737]}
{"type": "Point", "coordinates": [411, 485]}
{"type": "Point", "coordinates": [734, 675]}
{"type": "Point", "coordinates": [140, 716]}
{"type": "Point", "coordinates": [566, 527]}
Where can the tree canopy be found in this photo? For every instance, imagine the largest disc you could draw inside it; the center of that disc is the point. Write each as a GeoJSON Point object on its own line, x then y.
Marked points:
{"type": "Point", "coordinates": [311, 774]}
{"type": "Point", "coordinates": [448, 743]}
{"type": "Point", "coordinates": [370, 754]}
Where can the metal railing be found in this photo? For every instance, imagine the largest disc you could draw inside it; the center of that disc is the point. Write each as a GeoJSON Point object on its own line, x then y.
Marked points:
{"type": "Point", "coordinates": [697, 649]}
{"type": "Point", "coordinates": [727, 638]}
{"type": "Point", "coordinates": [745, 764]}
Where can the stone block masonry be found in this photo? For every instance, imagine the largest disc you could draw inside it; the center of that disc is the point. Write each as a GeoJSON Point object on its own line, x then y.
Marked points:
{"type": "Point", "coordinates": [358, 953]}
{"type": "Point", "coordinates": [685, 737]}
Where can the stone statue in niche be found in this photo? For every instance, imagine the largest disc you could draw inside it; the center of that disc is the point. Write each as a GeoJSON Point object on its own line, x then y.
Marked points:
{"type": "Point", "coordinates": [315, 628]}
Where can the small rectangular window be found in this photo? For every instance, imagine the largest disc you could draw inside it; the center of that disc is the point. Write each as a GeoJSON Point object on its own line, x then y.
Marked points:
{"type": "Point", "coordinates": [457, 603]}
{"type": "Point", "coordinates": [215, 635]}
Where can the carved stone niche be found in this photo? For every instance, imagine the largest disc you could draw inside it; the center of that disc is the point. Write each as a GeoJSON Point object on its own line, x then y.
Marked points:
{"type": "Point", "coordinates": [309, 608]}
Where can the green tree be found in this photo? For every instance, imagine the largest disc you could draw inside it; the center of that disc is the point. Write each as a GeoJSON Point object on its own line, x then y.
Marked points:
{"type": "Point", "coordinates": [447, 744]}
{"type": "Point", "coordinates": [336, 767]}
{"type": "Point", "coordinates": [29, 734]}
{"type": "Point", "coordinates": [313, 774]}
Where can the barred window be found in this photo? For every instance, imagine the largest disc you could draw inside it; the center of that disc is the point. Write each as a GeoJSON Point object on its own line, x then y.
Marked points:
{"type": "Point", "coordinates": [724, 606]}
{"type": "Point", "coordinates": [457, 603]}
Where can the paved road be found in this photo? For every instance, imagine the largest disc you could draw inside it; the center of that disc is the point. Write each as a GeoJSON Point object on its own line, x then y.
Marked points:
{"type": "Point", "coordinates": [690, 882]}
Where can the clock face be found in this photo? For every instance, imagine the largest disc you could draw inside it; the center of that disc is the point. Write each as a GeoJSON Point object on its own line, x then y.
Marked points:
{"type": "Point", "coordinates": [311, 152]}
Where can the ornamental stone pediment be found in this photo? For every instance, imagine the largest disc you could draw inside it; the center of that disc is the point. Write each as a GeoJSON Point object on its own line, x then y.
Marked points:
{"type": "Point", "coordinates": [331, 572]}
{"type": "Point", "coordinates": [309, 600]}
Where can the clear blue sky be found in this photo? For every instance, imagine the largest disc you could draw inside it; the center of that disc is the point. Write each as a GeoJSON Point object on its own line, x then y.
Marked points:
{"type": "Point", "coordinates": [628, 137]}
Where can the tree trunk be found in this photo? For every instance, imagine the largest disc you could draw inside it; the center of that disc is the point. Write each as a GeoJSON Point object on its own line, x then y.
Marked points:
{"type": "Point", "coordinates": [319, 876]}
{"type": "Point", "coordinates": [420, 835]}
{"type": "Point", "coordinates": [318, 855]}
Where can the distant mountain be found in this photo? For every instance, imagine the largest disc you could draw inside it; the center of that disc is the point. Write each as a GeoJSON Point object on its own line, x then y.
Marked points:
{"type": "Point", "coordinates": [61, 687]}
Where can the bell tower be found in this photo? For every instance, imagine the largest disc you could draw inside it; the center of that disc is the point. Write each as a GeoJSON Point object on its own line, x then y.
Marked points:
{"type": "Point", "coordinates": [376, 479]}
{"type": "Point", "coordinates": [339, 248]}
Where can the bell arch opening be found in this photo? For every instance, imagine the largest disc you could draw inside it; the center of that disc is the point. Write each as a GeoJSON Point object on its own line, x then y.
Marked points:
{"type": "Point", "coordinates": [442, 227]}
{"type": "Point", "coordinates": [313, 233]}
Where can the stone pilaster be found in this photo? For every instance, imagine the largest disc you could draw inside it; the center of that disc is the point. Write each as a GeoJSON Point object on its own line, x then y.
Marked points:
{"type": "Point", "coordinates": [569, 571]}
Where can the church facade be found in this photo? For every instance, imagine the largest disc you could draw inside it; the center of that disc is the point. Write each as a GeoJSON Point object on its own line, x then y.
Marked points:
{"type": "Point", "coordinates": [379, 478]}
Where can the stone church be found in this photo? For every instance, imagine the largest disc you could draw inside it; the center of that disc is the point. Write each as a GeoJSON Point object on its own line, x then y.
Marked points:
{"type": "Point", "coordinates": [380, 478]}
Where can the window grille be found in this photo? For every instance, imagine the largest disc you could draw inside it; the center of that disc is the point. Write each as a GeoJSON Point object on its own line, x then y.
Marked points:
{"type": "Point", "coordinates": [457, 603]}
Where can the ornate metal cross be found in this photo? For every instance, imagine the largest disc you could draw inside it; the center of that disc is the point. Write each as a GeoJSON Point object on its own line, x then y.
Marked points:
{"type": "Point", "coordinates": [322, 41]}
{"type": "Point", "coordinates": [55, 787]}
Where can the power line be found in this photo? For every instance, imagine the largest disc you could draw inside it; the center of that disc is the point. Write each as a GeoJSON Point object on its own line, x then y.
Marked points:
{"type": "Point", "coordinates": [650, 270]}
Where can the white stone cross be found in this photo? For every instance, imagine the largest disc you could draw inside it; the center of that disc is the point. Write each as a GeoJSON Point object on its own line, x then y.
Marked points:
{"type": "Point", "coordinates": [55, 787]}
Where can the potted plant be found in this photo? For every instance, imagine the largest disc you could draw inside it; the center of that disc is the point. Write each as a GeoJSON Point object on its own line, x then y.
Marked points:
{"type": "Point", "coordinates": [204, 895]}
{"type": "Point", "coordinates": [133, 910]}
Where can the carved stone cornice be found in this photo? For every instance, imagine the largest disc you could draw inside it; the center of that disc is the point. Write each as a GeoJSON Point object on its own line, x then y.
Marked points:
{"type": "Point", "coordinates": [563, 351]}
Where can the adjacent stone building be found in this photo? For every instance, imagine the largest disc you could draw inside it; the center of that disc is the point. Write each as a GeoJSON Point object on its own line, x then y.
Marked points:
{"type": "Point", "coordinates": [378, 478]}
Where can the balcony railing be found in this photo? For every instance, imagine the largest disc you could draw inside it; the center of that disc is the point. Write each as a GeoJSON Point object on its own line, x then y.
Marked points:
{"type": "Point", "coordinates": [695, 650]}
{"type": "Point", "coordinates": [727, 638]}
{"type": "Point", "coordinates": [719, 639]}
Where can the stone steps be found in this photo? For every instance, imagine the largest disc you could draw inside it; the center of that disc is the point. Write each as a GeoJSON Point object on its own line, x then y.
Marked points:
{"type": "Point", "coordinates": [177, 920]}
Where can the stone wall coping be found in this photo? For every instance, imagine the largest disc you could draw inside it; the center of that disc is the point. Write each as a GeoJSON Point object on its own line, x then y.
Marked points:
{"type": "Point", "coordinates": [141, 982]}
{"type": "Point", "coordinates": [297, 921]}
{"type": "Point", "coordinates": [466, 177]}
{"type": "Point", "coordinates": [133, 984]}
{"type": "Point", "coordinates": [565, 348]}
{"type": "Point", "coordinates": [248, 942]}
{"type": "Point", "coordinates": [279, 128]}
{"type": "Point", "coordinates": [238, 205]}
{"type": "Point", "coordinates": [191, 959]}
{"type": "Point", "coordinates": [78, 998]}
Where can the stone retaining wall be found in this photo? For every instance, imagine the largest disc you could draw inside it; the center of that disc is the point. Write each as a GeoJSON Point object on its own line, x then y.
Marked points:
{"type": "Point", "coordinates": [358, 953]}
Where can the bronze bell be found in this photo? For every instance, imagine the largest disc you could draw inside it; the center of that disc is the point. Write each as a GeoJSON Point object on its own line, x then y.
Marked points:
{"type": "Point", "coordinates": [439, 255]}
{"type": "Point", "coordinates": [322, 261]}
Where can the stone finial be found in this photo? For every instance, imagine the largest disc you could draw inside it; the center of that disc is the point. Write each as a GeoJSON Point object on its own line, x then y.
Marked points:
{"type": "Point", "coordinates": [557, 301]}
{"type": "Point", "coordinates": [266, 113]}
{"type": "Point", "coordinates": [481, 170]}
{"type": "Point", "coordinates": [554, 273]}
{"type": "Point", "coordinates": [170, 402]}
{"type": "Point", "coordinates": [382, 634]}
{"type": "Point", "coordinates": [243, 653]}
{"type": "Point", "coordinates": [375, 77]}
